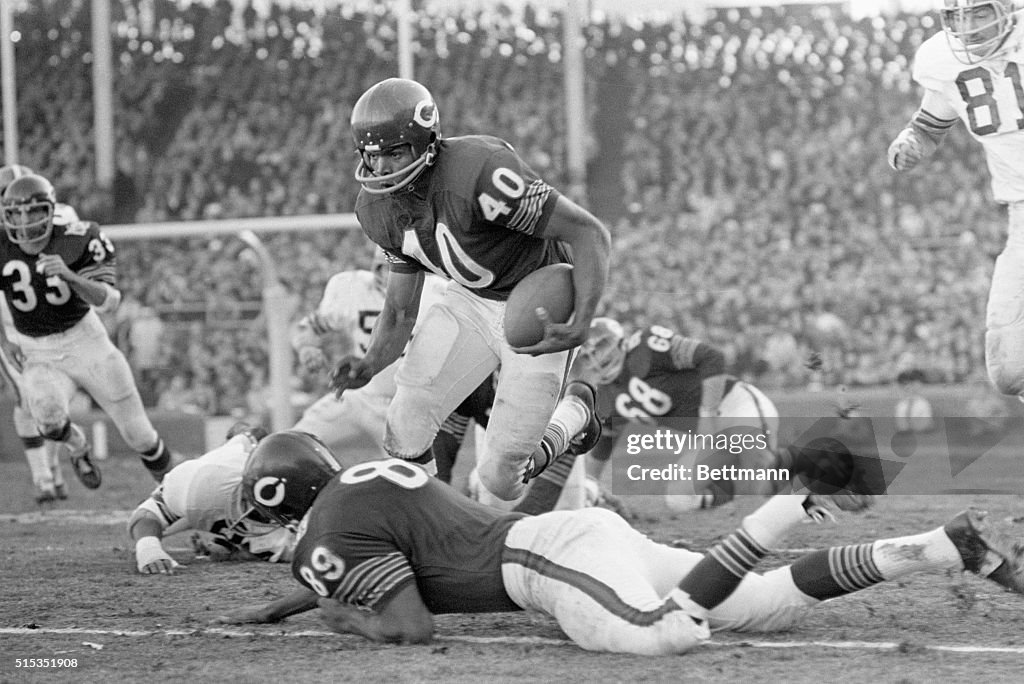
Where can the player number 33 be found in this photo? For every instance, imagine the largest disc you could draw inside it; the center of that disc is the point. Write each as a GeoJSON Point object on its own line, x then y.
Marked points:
{"type": "Point", "coordinates": [46, 662]}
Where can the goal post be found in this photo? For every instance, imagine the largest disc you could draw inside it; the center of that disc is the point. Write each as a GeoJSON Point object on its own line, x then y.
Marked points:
{"type": "Point", "coordinates": [276, 302]}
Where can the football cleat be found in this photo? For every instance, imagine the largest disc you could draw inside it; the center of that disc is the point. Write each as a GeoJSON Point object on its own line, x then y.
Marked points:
{"type": "Point", "coordinates": [587, 438]}
{"type": "Point", "coordinates": [61, 491]}
{"type": "Point", "coordinates": [87, 472]}
{"type": "Point", "coordinates": [46, 493]}
{"type": "Point", "coordinates": [987, 552]}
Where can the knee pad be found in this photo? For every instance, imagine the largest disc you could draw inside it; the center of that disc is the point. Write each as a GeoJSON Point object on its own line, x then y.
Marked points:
{"type": "Point", "coordinates": [48, 396]}
{"type": "Point", "coordinates": [410, 430]}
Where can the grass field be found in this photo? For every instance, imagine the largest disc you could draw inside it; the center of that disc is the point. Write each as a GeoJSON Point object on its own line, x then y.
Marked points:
{"type": "Point", "coordinates": [70, 591]}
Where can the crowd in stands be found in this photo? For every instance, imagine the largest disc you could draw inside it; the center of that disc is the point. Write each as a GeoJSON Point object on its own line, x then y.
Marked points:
{"type": "Point", "coordinates": [752, 145]}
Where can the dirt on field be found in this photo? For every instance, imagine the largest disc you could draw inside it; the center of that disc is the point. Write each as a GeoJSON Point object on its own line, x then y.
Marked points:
{"type": "Point", "coordinates": [71, 594]}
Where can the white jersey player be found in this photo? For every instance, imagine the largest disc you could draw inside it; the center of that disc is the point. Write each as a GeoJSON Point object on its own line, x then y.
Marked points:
{"type": "Point", "coordinates": [975, 73]}
{"type": "Point", "coordinates": [204, 495]}
{"type": "Point", "coordinates": [352, 426]}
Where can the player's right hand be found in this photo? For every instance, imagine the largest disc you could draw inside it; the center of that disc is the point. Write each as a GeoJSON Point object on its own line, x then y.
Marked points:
{"type": "Point", "coordinates": [312, 358]}
{"type": "Point", "coordinates": [151, 559]}
{"type": "Point", "coordinates": [352, 372]}
{"type": "Point", "coordinates": [906, 151]}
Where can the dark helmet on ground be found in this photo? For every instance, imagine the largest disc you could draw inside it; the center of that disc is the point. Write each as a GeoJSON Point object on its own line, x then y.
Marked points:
{"type": "Point", "coordinates": [284, 474]}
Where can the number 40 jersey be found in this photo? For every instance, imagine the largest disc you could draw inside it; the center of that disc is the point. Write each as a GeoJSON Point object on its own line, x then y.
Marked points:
{"type": "Point", "coordinates": [477, 216]}
{"type": "Point", "coordinates": [43, 306]}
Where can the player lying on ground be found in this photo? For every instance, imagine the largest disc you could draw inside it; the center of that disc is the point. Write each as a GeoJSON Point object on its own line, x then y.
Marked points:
{"type": "Point", "coordinates": [205, 495]}
{"type": "Point", "coordinates": [383, 546]}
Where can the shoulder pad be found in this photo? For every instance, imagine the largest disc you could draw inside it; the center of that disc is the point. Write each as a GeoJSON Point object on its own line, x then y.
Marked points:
{"type": "Point", "coordinates": [64, 215]}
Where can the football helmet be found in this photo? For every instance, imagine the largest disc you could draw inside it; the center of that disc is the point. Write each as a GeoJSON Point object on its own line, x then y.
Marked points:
{"type": "Point", "coordinates": [10, 172]}
{"type": "Point", "coordinates": [604, 352]}
{"type": "Point", "coordinates": [28, 206]}
{"type": "Point", "coordinates": [283, 476]}
{"type": "Point", "coordinates": [975, 38]}
{"type": "Point", "coordinates": [394, 112]}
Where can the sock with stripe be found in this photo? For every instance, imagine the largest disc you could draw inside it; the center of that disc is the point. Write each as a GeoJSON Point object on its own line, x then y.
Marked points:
{"type": "Point", "coordinates": [158, 458]}
{"type": "Point", "coordinates": [721, 569]}
{"type": "Point", "coordinates": [845, 569]}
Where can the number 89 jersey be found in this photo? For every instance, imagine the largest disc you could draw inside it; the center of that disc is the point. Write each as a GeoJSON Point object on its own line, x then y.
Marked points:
{"type": "Point", "coordinates": [382, 524]}
{"type": "Point", "coordinates": [476, 217]}
{"type": "Point", "coordinates": [45, 306]}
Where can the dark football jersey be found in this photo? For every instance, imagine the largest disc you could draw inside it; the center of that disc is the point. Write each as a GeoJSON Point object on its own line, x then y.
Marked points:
{"type": "Point", "coordinates": [661, 377]}
{"type": "Point", "coordinates": [383, 524]}
{"type": "Point", "coordinates": [45, 306]}
{"type": "Point", "coordinates": [476, 216]}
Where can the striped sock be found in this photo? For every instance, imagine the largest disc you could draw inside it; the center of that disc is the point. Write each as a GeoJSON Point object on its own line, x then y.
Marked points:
{"type": "Point", "coordinates": [836, 571]}
{"type": "Point", "coordinates": [722, 568]}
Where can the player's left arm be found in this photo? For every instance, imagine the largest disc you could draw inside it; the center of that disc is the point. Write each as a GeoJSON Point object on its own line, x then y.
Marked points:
{"type": "Point", "coordinates": [299, 601]}
{"type": "Point", "coordinates": [403, 619]}
{"type": "Point", "coordinates": [590, 243]}
{"type": "Point", "coordinates": [709, 362]}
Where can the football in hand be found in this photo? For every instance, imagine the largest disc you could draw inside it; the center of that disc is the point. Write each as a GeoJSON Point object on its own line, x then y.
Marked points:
{"type": "Point", "coordinates": [549, 288]}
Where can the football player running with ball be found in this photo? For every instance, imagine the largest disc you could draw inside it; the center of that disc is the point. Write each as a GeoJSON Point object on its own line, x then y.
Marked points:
{"type": "Point", "coordinates": [57, 273]}
{"type": "Point", "coordinates": [974, 70]}
{"type": "Point", "coordinates": [384, 547]}
{"type": "Point", "coordinates": [470, 210]}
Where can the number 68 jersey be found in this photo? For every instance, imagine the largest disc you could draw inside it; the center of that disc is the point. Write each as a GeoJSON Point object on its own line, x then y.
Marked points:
{"type": "Point", "coordinates": [476, 216]}
{"type": "Point", "coordinates": [43, 306]}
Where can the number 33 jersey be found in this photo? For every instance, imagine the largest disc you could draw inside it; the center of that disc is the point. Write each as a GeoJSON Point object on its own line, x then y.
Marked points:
{"type": "Point", "coordinates": [989, 98]}
{"type": "Point", "coordinates": [43, 305]}
{"type": "Point", "coordinates": [476, 217]}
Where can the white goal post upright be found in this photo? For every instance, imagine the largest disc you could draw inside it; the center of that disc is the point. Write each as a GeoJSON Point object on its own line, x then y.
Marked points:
{"type": "Point", "coordinates": [276, 300]}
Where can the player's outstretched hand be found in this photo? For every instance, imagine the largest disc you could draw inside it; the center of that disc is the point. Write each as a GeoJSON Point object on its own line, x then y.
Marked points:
{"type": "Point", "coordinates": [151, 559]}
{"type": "Point", "coordinates": [557, 336]}
{"type": "Point", "coordinates": [246, 615]}
{"type": "Point", "coordinates": [351, 372]}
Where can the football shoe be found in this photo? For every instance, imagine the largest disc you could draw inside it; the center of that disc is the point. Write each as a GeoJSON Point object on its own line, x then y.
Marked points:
{"type": "Point", "coordinates": [985, 551]}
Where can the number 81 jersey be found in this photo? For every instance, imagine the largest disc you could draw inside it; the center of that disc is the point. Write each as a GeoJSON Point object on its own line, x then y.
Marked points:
{"type": "Point", "coordinates": [477, 216]}
{"type": "Point", "coordinates": [43, 306]}
{"type": "Point", "coordinates": [989, 98]}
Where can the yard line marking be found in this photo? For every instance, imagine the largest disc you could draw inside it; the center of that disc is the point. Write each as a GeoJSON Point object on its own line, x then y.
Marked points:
{"type": "Point", "coordinates": [537, 641]}
{"type": "Point", "coordinates": [61, 516]}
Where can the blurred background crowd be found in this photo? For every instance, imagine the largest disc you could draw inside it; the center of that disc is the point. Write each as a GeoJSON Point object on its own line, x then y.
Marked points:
{"type": "Point", "coordinates": [739, 162]}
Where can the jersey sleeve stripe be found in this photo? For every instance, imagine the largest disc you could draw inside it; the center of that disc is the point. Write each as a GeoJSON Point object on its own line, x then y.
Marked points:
{"type": "Point", "coordinates": [683, 351]}
{"type": "Point", "coordinates": [101, 272]}
{"type": "Point", "coordinates": [531, 207]}
{"type": "Point", "coordinates": [374, 579]}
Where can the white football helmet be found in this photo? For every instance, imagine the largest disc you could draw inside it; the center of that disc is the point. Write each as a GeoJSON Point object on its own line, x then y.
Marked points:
{"type": "Point", "coordinates": [978, 30]}
{"type": "Point", "coordinates": [604, 352]}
